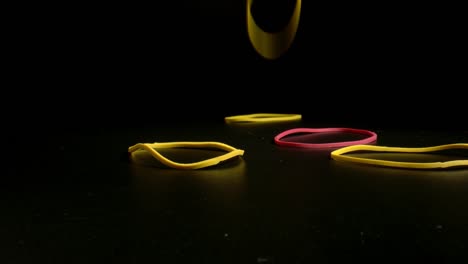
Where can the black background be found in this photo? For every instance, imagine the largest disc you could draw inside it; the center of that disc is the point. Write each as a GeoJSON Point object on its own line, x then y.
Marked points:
{"type": "Point", "coordinates": [96, 64]}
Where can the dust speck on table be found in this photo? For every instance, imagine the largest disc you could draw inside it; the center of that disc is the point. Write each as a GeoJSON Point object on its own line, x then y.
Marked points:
{"type": "Point", "coordinates": [265, 260]}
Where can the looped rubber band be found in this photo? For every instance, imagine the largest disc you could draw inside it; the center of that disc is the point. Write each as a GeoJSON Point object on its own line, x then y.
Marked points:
{"type": "Point", "coordinates": [338, 155]}
{"type": "Point", "coordinates": [263, 118]}
{"type": "Point", "coordinates": [371, 137]}
{"type": "Point", "coordinates": [151, 148]}
{"type": "Point", "coordinates": [272, 45]}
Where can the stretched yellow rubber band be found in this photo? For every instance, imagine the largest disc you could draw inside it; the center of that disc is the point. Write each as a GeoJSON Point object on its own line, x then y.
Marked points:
{"type": "Point", "coordinates": [151, 148]}
{"type": "Point", "coordinates": [338, 155]}
{"type": "Point", "coordinates": [272, 45]}
{"type": "Point", "coordinates": [263, 118]}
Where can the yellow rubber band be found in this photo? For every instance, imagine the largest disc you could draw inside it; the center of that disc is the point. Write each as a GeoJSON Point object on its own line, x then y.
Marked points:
{"type": "Point", "coordinates": [263, 118]}
{"type": "Point", "coordinates": [338, 155]}
{"type": "Point", "coordinates": [151, 148]}
{"type": "Point", "coordinates": [272, 45]}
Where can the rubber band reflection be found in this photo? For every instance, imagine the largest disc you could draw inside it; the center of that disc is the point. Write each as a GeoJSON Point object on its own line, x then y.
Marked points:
{"type": "Point", "coordinates": [272, 45]}
{"type": "Point", "coordinates": [162, 196]}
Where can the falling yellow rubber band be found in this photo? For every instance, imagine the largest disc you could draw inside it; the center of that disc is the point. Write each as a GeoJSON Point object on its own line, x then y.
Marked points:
{"type": "Point", "coordinates": [263, 118]}
{"type": "Point", "coordinates": [272, 45]}
{"type": "Point", "coordinates": [151, 148]}
{"type": "Point", "coordinates": [338, 155]}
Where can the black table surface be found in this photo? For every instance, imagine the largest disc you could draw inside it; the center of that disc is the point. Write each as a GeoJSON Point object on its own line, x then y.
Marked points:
{"type": "Point", "coordinates": [75, 196]}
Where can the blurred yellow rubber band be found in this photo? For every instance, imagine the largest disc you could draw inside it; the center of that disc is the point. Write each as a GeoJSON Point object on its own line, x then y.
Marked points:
{"type": "Point", "coordinates": [271, 45]}
{"type": "Point", "coordinates": [262, 118]}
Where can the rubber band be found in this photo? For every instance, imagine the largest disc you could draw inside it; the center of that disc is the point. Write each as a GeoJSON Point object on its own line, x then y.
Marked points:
{"type": "Point", "coordinates": [151, 148]}
{"type": "Point", "coordinates": [263, 118]}
{"type": "Point", "coordinates": [371, 137]}
{"type": "Point", "coordinates": [338, 155]}
{"type": "Point", "coordinates": [272, 45]}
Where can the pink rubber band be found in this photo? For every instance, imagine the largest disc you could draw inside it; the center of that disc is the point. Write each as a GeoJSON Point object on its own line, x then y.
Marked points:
{"type": "Point", "coordinates": [371, 137]}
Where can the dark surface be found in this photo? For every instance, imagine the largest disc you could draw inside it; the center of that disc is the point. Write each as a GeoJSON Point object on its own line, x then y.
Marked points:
{"type": "Point", "coordinates": [75, 197]}
{"type": "Point", "coordinates": [114, 63]}
{"type": "Point", "coordinates": [89, 80]}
